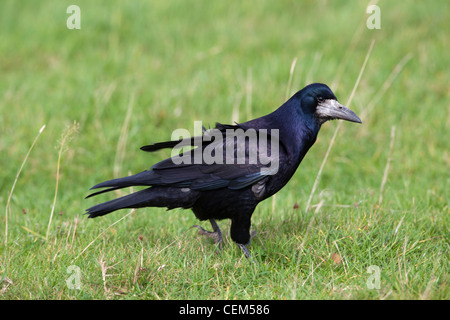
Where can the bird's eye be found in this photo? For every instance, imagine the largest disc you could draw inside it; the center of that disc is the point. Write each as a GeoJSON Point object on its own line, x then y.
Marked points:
{"type": "Point", "coordinates": [320, 99]}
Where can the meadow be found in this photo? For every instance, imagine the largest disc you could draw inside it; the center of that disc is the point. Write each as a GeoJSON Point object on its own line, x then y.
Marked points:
{"type": "Point", "coordinates": [365, 217]}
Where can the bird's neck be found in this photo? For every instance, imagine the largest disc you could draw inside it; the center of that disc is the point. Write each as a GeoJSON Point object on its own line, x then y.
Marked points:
{"type": "Point", "coordinates": [298, 132]}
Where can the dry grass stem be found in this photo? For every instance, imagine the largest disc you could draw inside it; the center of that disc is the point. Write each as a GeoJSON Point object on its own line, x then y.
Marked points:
{"type": "Point", "coordinates": [101, 233]}
{"type": "Point", "coordinates": [386, 169]}
{"type": "Point", "coordinates": [386, 85]}
{"type": "Point", "coordinates": [66, 137]}
{"type": "Point", "coordinates": [316, 182]}
{"type": "Point", "coordinates": [8, 203]}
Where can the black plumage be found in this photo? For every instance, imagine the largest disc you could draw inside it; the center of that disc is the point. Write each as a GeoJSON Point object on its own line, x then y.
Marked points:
{"type": "Point", "coordinates": [231, 189]}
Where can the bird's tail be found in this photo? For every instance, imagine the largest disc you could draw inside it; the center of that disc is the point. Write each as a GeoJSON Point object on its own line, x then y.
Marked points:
{"type": "Point", "coordinates": [158, 195]}
{"type": "Point", "coordinates": [135, 200]}
{"type": "Point", "coordinates": [168, 197]}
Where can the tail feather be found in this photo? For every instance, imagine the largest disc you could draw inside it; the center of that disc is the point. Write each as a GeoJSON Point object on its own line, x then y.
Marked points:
{"type": "Point", "coordinates": [103, 191]}
{"type": "Point", "coordinates": [144, 178]}
{"type": "Point", "coordinates": [134, 200]}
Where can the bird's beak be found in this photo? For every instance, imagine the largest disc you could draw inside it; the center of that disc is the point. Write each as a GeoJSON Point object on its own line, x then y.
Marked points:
{"type": "Point", "coordinates": [331, 109]}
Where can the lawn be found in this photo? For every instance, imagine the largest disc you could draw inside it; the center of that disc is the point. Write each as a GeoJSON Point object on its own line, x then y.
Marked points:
{"type": "Point", "coordinates": [365, 217]}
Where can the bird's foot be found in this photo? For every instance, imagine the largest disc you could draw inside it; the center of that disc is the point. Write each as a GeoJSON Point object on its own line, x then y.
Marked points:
{"type": "Point", "coordinates": [216, 234]}
{"type": "Point", "coordinates": [244, 250]}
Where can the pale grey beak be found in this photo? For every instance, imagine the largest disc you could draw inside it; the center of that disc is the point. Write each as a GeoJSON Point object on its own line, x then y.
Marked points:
{"type": "Point", "coordinates": [330, 109]}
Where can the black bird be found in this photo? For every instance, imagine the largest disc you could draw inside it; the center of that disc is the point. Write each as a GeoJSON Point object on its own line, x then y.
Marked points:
{"type": "Point", "coordinates": [231, 186]}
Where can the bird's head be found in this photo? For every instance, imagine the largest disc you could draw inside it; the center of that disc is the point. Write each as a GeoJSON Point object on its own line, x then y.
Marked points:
{"type": "Point", "coordinates": [318, 100]}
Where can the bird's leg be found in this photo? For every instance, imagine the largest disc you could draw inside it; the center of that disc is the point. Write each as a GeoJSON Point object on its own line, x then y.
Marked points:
{"type": "Point", "coordinates": [216, 234]}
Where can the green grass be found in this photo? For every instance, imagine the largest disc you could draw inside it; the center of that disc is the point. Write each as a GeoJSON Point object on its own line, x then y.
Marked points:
{"type": "Point", "coordinates": [169, 63]}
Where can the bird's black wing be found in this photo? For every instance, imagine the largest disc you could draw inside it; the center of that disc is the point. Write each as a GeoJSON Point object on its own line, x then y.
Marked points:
{"type": "Point", "coordinates": [244, 169]}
